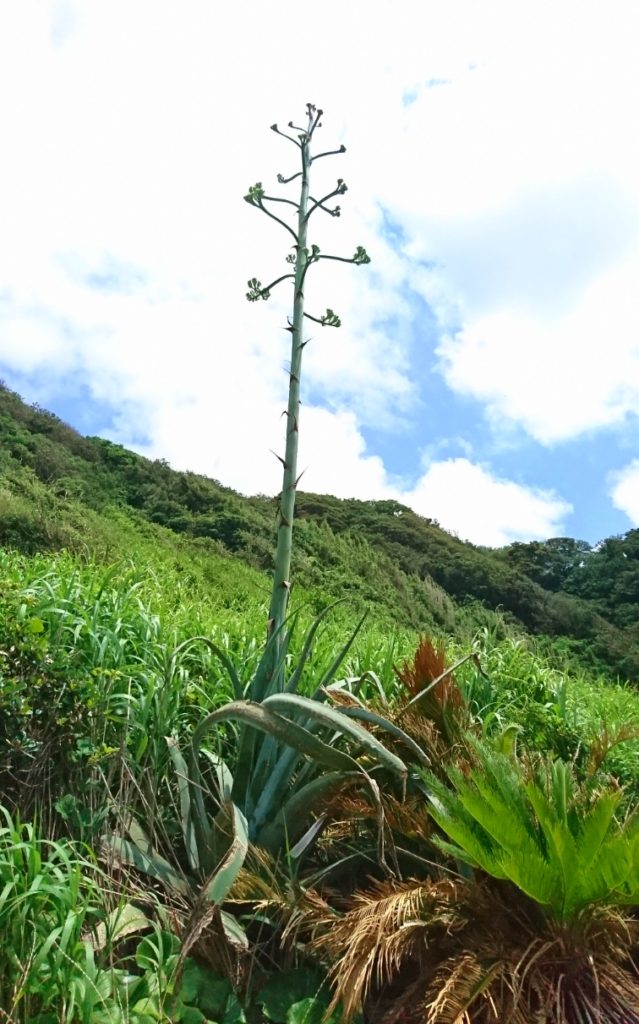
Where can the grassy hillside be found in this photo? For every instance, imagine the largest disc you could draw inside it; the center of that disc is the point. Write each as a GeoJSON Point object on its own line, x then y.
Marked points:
{"type": "Point", "coordinates": [176, 806]}
{"type": "Point", "coordinates": [59, 490]}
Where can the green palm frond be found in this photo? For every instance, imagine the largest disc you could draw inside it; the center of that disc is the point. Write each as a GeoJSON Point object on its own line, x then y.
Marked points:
{"type": "Point", "coordinates": [562, 847]}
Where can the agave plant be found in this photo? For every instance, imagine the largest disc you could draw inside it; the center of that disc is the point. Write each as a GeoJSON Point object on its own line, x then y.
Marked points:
{"type": "Point", "coordinates": [288, 753]}
{"type": "Point", "coordinates": [265, 782]}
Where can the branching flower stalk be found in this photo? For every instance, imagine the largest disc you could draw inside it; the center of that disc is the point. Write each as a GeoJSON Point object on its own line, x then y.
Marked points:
{"type": "Point", "coordinates": [302, 260]}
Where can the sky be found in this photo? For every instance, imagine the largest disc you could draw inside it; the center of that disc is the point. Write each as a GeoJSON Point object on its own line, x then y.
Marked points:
{"type": "Point", "coordinates": [486, 372]}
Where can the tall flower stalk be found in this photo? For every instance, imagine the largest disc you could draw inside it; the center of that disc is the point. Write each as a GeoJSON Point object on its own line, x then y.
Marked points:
{"type": "Point", "coordinates": [302, 259]}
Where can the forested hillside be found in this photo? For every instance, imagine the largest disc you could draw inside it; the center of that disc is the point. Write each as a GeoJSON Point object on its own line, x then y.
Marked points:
{"type": "Point", "coordinates": [61, 490]}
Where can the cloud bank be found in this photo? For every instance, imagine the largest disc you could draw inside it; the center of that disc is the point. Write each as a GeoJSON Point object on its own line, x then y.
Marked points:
{"type": "Point", "coordinates": [492, 177]}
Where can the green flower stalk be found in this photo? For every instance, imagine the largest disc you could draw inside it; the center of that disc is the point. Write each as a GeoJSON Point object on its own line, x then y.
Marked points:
{"type": "Point", "coordinates": [302, 260]}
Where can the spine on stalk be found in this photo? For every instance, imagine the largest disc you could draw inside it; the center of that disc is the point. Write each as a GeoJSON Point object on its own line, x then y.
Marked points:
{"type": "Point", "coordinates": [302, 260]}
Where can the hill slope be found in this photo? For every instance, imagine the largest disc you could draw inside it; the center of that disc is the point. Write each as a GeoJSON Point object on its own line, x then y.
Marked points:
{"type": "Point", "coordinates": [59, 489]}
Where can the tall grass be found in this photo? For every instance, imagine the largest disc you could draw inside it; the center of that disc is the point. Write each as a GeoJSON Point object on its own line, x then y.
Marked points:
{"type": "Point", "coordinates": [50, 901]}
{"type": "Point", "coordinates": [95, 677]}
{"type": "Point", "coordinates": [567, 713]}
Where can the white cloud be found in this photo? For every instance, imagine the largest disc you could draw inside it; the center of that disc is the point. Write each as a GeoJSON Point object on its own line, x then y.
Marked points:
{"type": "Point", "coordinates": [555, 377]}
{"type": "Point", "coordinates": [625, 491]}
{"type": "Point", "coordinates": [525, 218]}
{"type": "Point", "coordinates": [471, 501]}
{"type": "Point", "coordinates": [134, 131]}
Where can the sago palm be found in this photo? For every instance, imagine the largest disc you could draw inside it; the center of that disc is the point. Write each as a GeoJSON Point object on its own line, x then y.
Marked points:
{"type": "Point", "coordinates": [559, 844]}
{"type": "Point", "coordinates": [537, 933]}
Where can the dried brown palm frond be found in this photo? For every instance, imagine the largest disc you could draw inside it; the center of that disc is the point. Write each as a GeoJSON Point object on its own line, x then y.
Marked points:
{"type": "Point", "coordinates": [457, 988]}
{"type": "Point", "coordinates": [512, 964]}
{"type": "Point", "coordinates": [340, 698]}
{"type": "Point", "coordinates": [386, 927]}
{"type": "Point", "coordinates": [607, 738]}
{"type": "Point", "coordinates": [205, 936]}
{"type": "Point", "coordinates": [310, 915]}
{"type": "Point", "coordinates": [468, 953]}
{"type": "Point", "coordinates": [442, 701]}
{"type": "Point", "coordinates": [266, 889]}
{"type": "Point", "coordinates": [441, 744]}
{"type": "Point", "coordinates": [262, 880]}
{"type": "Point", "coordinates": [347, 810]}
{"type": "Point", "coordinates": [420, 728]}
{"type": "Point", "coordinates": [428, 665]}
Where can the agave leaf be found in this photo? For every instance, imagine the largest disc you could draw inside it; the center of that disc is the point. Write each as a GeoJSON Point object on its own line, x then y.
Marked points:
{"type": "Point", "coordinates": [224, 776]}
{"type": "Point", "coordinates": [125, 920]}
{"type": "Point", "coordinates": [233, 930]}
{"type": "Point", "coordinates": [204, 835]}
{"type": "Point", "coordinates": [344, 686]}
{"type": "Point", "coordinates": [138, 835]}
{"type": "Point", "coordinates": [186, 818]}
{"type": "Point", "coordinates": [270, 754]}
{"type": "Point", "coordinates": [267, 720]}
{"type": "Point", "coordinates": [306, 841]}
{"type": "Point", "coordinates": [271, 780]}
{"type": "Point", "coordinates": [335, 720]}
{"type": "Point", "coordinates": [151, 863]}
{"type": "Point", "coordinates": [364, 715]}
{"type": "Point", "coordinates": [290, 821]}
{"type": "Point", "coordinates": [221, 881]}
{"type": "Point", "coordinates": [244, 767]}
{"type": "Point", "coordinates": [268, 792]}
{"type": "Point", "coordinates": [273, 660]}
{"type": "Point", "coordinates": [263, 773]}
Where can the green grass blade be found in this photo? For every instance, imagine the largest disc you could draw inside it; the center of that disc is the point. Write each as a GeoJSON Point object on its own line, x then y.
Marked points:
{"type": "Point", "coordinates": [293, 683]}
{"type": "Point", "coordinates": [186, 816]}
{"type": "Point", "coordinates": [333, 669]}
{"type": "Point", "coordinates": [238, 689]}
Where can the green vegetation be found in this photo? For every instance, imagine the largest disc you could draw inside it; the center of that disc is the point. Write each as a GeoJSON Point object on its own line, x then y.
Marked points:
{"type": "Point", "coordinates": [410, 796]}
{"type": "Point", "coordinates": [93, 498]}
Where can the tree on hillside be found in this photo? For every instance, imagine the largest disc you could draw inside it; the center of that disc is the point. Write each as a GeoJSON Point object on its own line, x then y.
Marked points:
{"type": "Point", "coordinates": [549, 563]}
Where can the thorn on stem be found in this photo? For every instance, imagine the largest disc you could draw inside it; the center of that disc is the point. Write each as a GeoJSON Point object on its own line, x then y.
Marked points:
{"type": "Point", "coordinates": [279, 458]}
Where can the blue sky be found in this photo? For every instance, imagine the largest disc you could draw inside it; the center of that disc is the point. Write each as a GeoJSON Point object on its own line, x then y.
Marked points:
{"type": "Point", "coordinates": [487, 369]}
